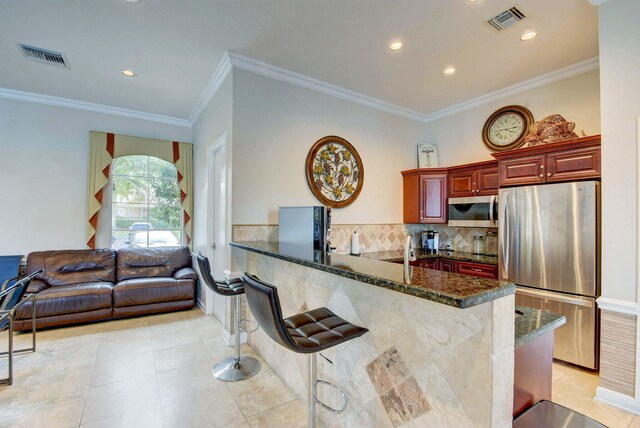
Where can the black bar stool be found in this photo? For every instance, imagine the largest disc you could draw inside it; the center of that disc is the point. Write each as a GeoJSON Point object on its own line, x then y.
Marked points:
{"type": "Point", "coordinates": [239, 367]}
{"type": "Point", "coordinates": [306, 333]}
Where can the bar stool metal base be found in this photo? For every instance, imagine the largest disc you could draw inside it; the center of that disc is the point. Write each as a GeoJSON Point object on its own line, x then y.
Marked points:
{"type": "Point", "coordinates": [238, 367]}
{"type": "Point", "coordinates": [234, 370]}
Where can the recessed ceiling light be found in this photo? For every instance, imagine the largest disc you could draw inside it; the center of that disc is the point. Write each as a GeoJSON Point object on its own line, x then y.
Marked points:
{"type": "Point", "coordinates": [472, 1]}
{"type": "Point", "coordinates": [132, 1]}
{"type": "Point", "coordinates": [396, 46]}
{"type": "Point", "coordinates": [528, 36]}
{"type": "Point", "coordinates": [449, 71]}
{"type": "Point", "coordinates": [128, 73]}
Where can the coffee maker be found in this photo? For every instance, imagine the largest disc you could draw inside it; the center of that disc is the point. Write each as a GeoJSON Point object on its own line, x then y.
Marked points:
{"type": "Point", "coordinates": [430, 240]}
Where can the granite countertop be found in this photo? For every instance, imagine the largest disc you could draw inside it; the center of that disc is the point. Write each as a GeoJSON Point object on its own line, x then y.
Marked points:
{"type": "Point", "coordinates": [533, 323]}
{"type": "Point", "coordinates": [461, 291]}
{"type": "Point", "coordinates": [398, 256]}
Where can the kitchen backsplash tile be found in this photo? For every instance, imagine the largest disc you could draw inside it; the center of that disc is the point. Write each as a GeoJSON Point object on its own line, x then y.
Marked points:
{"type": "Point", "coordinates": [373, 237]}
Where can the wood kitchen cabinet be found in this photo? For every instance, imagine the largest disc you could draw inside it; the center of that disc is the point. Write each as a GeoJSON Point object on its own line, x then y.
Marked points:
{"type": "Point", "coordinates": [477, 269]}
{"type": "Point", "coordinates": [549, 163]}
{"type": "Point", "coordinates": [424, 195]}
{"type": "Point", "coordinates": [478, 179]}
{"type": "Point", "coordinates": [446, 265]}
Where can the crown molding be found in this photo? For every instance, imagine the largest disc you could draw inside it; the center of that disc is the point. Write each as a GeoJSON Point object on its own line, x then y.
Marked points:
{"type": "Point", "coordinates": [527, 85]}
{"type": "Point", "coordinates": [278, 73]}
{"type": "Point", "coordinates": [97, 108]}
{"type": "Point", "coordinates": [224, 66]}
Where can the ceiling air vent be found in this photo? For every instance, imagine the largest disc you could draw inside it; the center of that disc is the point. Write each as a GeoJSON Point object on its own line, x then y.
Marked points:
{"type": "Point", "coordinates": [43, 55]}
{"type": "Point", "coordinates": [506, 19]}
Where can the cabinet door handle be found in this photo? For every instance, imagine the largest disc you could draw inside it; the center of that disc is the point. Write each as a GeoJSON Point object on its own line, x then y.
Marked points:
{"type": "Point", "coordinates": [541, 175]}
{"type": "Point", "coordinates": [476, 270]}
{"type": "Point", "coordinates": [548, 174]}
{"type": "Point", "coordinates": [541, 166]}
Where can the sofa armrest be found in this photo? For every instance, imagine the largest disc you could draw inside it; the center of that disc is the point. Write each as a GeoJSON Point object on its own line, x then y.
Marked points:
{"type": "Point", "coordinates": [186, 273]}
{"type": "Point", "coordinates": [36, 286]}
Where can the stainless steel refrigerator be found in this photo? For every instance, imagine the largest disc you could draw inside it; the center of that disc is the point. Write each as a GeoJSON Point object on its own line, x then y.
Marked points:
{"type": "Point", "coordinates": [549, 249]}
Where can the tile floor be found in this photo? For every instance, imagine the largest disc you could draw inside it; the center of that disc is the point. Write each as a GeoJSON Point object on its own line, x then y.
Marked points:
{"type": "Point", "coordinates": [155, 372]}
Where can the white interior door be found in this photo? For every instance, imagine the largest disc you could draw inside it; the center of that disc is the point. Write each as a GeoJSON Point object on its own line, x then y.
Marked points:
{"type": "Point", "coordinates": [217, 222]}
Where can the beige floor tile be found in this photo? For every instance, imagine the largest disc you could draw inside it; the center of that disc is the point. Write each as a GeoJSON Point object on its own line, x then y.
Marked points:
{"type": "Point", "coordinates": [123, 368]}
{"type": "Point", "coordinates": [121, 397]}
{"type": "Point", "coordinates": [170, 339]}
{"type": "Point", "coordinates": [182, 355]}
{"type": "Point", "coordinates": [576, 390]}
{"type": "Point", "coordinates": [46, 413]}
{"type": "Point", "coordinates": [43, 383]}
{"type": "Point", "coordinates": [123, 348]}
{"type": "Point", "coordinates": [635, 422]}
{"type": "Point", "coordinates": [292, 415]}
{"type": "Point", "coordinates": [262, 392]}
{"type": "Point", "coordinates": [181, 381]}
{"type": "Point", "coordinates": [147, 417]}
{"type": "Point", "coordinates": [558, 370]}
{"type": "Point", "coordinates": [212, 407]}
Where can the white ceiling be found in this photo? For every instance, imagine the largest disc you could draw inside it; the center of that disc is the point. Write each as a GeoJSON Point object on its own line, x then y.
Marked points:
{"type": "Point", "coordinates": [175, 46]}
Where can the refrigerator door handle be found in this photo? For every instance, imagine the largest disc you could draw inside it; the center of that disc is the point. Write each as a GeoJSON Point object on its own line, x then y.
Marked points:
{"type": "Point", "coordinates": [556, 297]}
{"type": "Point", "coordinates": [492, 204]}
{"type": "Point", "coordinates": [504, 232]}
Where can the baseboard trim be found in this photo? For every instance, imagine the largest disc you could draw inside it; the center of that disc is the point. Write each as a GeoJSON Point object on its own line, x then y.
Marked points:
{"type": "Point", "coordinates": [201, 305]}
{"type": "Point", "coordinates": [617, 399]}
{"type": "Point", "coordinates": [619, 306]}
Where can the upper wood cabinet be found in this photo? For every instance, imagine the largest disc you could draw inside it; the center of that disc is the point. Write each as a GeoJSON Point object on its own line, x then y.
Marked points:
{"type": "Point", "coordinates": [425, 195]}
{"type": "Point", "coordinates": [478, 179]}
{"type": "Point", "coordinates": [549, 163]}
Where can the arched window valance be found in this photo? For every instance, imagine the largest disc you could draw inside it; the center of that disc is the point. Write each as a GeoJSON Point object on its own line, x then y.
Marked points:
{"type": "Point", "coordinates": [104, 147]}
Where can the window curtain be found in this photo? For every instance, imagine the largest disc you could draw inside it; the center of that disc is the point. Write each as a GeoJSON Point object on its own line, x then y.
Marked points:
{"type": "Point", "coordinates": [104, 147]}
{"type": "Point", "coordinates": [101, 149]}
{"type": "Point", "coordinates": [183, 160]}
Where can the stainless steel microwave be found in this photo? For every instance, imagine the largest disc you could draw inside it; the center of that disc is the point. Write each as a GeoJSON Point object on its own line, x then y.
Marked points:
{"type": "Point", "coordinates": [476, 211]}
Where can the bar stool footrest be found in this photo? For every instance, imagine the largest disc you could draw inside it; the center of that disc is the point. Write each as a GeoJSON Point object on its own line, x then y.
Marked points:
{"type": "Point", "coordinates": [257, 327]}
{"type": "Point", "coordinates": [336, 387]}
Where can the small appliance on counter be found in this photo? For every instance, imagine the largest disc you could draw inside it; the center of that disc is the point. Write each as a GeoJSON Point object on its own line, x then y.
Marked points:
{"type": "Point", "coordinates": [305, 228]}
{"type": "Point", "coordinates": [430, 240]}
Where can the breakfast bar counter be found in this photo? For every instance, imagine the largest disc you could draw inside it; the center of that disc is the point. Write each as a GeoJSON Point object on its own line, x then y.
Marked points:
{"type": "Point", "coordinates": [451, 289]}
{"type": "Point", "coordinates": [440, 346]}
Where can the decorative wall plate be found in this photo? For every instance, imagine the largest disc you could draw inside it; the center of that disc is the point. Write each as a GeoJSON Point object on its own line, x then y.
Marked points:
{"type": "Point", "coordinates": [334, 172]}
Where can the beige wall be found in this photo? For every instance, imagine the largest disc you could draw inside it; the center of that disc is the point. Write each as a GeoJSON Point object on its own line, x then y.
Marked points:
{"type": "Point", "coordinates": [620, 86]}
{"type": "Point", "coordinates": [44, 159]}
{"type": "Point", "coordinates": [276, 123]}
{"type": "Point", "coordinates": [577, 98]}
{"type": "Point", "coordinates": [620, 62]}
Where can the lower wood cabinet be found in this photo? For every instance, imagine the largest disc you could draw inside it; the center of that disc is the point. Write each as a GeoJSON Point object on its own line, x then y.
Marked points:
{"type": "Point", "coordinates": [481, 270]}
{"type": "Point", "coordinates": [478, 269]}
{"type": "Point", "coordinates": [446, 265]}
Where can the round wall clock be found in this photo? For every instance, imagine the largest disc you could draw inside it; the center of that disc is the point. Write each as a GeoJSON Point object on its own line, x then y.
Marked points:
{"type": "Point", "coordinates": [334, 172]}
{"type": "Point", "coordinates": [506, 128]}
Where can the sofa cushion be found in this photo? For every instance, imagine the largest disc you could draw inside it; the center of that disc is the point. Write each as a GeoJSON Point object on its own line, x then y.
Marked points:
{"type": "Point", "coordinates": [138, 262]}
{"type": "Point", "coordinates": [67, 299]}
{"type": "Point", "coordinates": [141, 291]}
{"type": "Point", "coordinates": [73, 266]}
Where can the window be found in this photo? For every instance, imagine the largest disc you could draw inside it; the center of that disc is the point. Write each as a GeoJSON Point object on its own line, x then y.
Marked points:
{"type": "Point", "coordinates": [145, 207]}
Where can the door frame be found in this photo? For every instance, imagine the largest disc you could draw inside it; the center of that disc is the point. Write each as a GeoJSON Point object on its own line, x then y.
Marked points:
{"type": "Point", "coordinates": [222, 141]}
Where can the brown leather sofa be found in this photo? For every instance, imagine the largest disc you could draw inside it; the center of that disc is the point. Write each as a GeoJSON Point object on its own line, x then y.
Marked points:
{"type": "Point", "coordinates": [80, 286]}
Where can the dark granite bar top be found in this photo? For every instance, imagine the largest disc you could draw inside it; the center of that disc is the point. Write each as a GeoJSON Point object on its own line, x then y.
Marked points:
{"type": "Point", "coordinates": [398, 255]}
{"type": "Point", "coordinates": [461, 291]}
{"type": "Point", "coordinates": [533, 323]}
